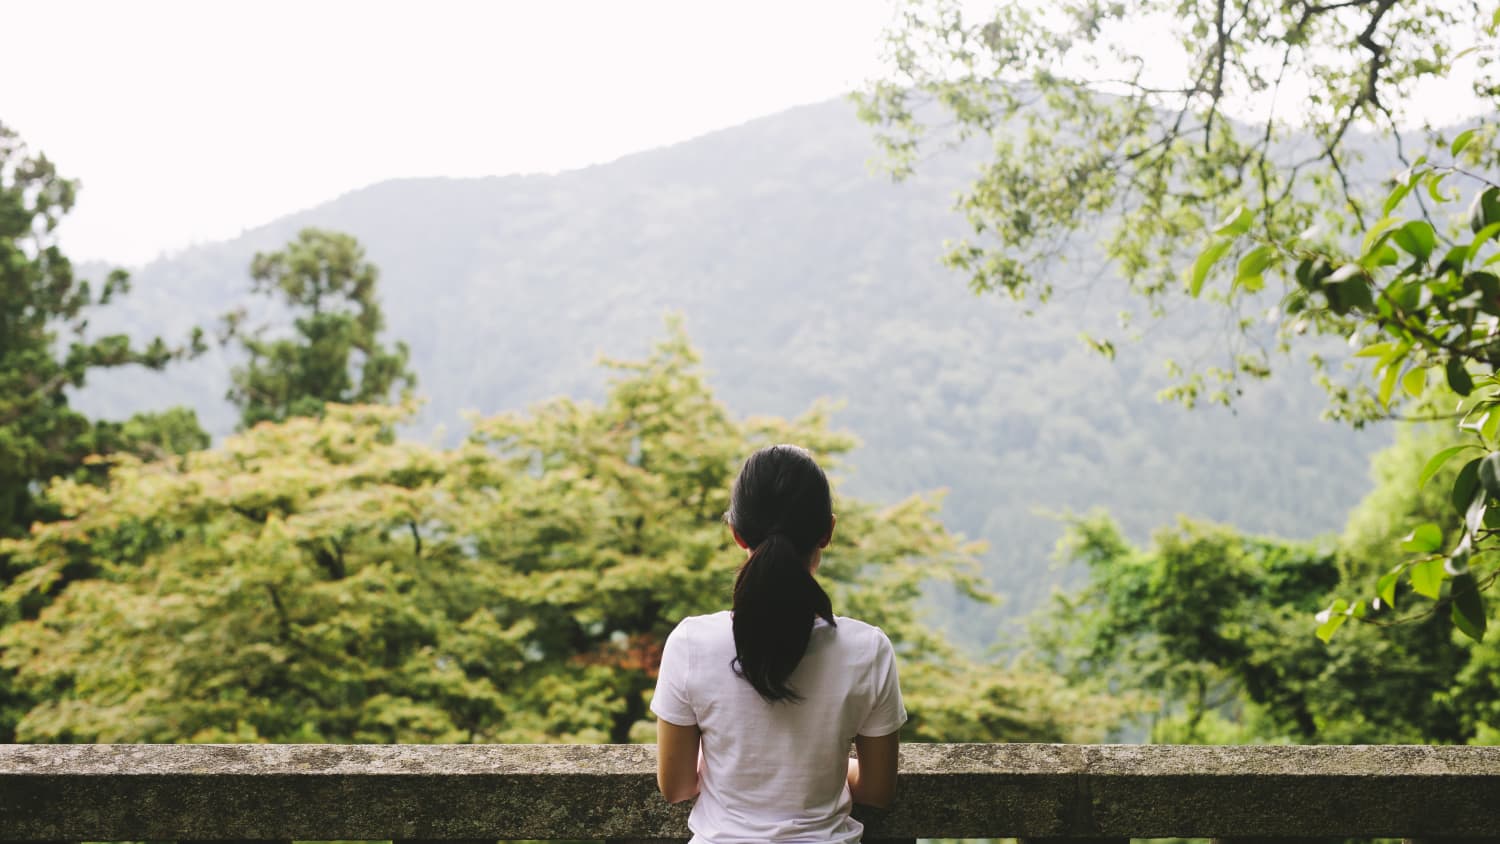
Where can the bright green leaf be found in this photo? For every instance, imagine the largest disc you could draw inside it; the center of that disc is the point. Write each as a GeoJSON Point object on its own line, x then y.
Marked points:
{"type": "Point", "coordinates": [1388, 384]}
{"type": "Point", "coordinates": [1424, 539]}
{"type": "Point", "coordinates": [1436, 462]}
{"type": "Point", "coordinates": [1403, 188]}
{"type": "Point", "coordinates": [1427, 577]}
{"type": "Point", "coordinates": [1461, 141]}
{"type": "Point", "coordinates": [1406, 295]}
{"type": "Point", "coordinates": [1386, 586]}
{"type": "Point", "coordinates": [1414, 382]}
{"type": "Point", "coordinates": [1372, 236]}
{"type": "Point", "coordinates": [1434, 188]}
{"type": "Point", "coordinates": [1481, 238]}
{"type": "Point", "coordinates": [1454, 259]}
{"type": "Point", "coordinates": [1205, 263]}
{"type": "Point", "coordinates": [1417, 238]}
{"type": "Point", "coordinates": [1237, 223]}
{"type": "Point", "coordinates": [1375, 350]}
{"type": "Point", "coordinates": [1255, 261]}
{"type": "Point", "coordinates": [1331, 619]}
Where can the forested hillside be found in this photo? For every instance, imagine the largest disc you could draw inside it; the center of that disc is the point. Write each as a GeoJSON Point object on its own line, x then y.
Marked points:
{"type": "Point", "coordinates": [800, 275]}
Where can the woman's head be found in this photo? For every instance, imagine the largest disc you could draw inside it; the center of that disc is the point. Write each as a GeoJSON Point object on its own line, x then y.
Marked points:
{"type": "Point", "coordinates": [781, 490]}
{"type": "Point", "coordinates": [782, 511]}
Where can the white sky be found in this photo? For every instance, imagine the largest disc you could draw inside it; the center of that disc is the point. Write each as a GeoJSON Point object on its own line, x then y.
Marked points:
{"type": "Point", "coordinates": [190, 121]}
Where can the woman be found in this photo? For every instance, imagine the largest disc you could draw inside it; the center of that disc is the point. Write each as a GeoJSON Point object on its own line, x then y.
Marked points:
{"type": "Point", "coordinates": [756, 707]}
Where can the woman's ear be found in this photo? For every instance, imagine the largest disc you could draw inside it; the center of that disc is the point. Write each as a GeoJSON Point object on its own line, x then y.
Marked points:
{"type": "Point", "coordinates": [828, 537]}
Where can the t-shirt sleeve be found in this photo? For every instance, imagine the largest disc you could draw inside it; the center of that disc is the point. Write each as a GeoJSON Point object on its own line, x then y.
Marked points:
{"type": "Point", "coordinates": [671, 702]}
{"type": "Point", "coordinates": [887, 712]}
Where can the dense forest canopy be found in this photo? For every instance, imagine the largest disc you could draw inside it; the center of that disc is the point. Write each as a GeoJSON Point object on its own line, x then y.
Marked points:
{"type": "Point", "coordinates": [319, 579]}
{"type": "Point", "coordinates": [801, 276]}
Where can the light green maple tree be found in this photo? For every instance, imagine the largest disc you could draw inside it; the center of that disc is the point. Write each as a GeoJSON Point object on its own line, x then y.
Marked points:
{"type": "Point", "coordinates": [319, 579]}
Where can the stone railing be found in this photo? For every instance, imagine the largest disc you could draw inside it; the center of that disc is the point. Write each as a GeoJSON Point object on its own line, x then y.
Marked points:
{"type": "Point", "coordinates": [497, 792]}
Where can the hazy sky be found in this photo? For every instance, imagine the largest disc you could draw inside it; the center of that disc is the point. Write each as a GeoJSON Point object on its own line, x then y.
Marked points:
{"type": "Point", "coordinates": [190, 121]}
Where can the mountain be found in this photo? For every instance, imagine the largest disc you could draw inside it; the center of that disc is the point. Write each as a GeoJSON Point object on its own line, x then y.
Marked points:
{"type": "Point", "coordinates": [801, 274]}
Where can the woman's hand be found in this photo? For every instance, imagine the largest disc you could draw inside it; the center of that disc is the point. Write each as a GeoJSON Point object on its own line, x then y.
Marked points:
{"type": "Point", "coordinates": [677, 760]}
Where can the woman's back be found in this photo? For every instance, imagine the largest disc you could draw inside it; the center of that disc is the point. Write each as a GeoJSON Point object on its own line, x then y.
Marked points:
{"type": "Point", "coordinates": [777, 771]}
{"type": "Point", "coordinates": [756, 707]}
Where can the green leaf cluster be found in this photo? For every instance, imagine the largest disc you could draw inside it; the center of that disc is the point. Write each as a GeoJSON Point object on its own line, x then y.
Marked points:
{"type": "Point", "coordinates": [1428, 311]}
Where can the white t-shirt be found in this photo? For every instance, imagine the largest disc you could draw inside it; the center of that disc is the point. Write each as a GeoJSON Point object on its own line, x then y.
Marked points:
{"type": "Point", "coordinates": [778, 771]}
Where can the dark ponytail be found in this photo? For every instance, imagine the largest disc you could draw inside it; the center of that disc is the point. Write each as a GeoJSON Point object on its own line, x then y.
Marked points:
{"type": "Point", "coordinates": [782, 508]}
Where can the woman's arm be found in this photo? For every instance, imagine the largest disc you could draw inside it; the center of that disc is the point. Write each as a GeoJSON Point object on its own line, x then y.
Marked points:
{"type": "Point", "coordinates": [676, 760]}
{"type": "Point", "coordinates": [872, 774]}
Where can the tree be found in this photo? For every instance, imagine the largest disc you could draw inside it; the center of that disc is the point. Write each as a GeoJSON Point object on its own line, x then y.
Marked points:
{"type": "Point", "coordinates": [45, 347]}
{"type": "Point", "coordinates": [335, 354]}
{"type": "Point", "coordinates": [1262, 118]}
{"type": "Point", "coordinates": [153, 436]}
{"type": "Point", "coordinates": [1083, 132]}
{"type": "Point", "coordinates": [317, 579]}
{"type": "Point", "coordinates": [1426, 310]}
{"type": "Point", "coordinates": [45, 352]}
{"type": "Point", "coordinates": [1212, 625]}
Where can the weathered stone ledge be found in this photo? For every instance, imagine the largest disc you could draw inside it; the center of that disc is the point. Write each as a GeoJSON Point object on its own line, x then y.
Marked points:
{"type": "Point", "coordinates": [496, 792]}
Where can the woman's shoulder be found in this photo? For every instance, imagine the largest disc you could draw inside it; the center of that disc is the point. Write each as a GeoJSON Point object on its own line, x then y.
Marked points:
{"type": "Point", "coordinates": [856, 627]}
{"type": "Point", "coordinates": [704, 626]}
{"type": "Point", "coordinates": [862, 635]}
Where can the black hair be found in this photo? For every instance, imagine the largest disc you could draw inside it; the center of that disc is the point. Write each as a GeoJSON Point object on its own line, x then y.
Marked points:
{"type": "Point", "coordinates": [782, 508]}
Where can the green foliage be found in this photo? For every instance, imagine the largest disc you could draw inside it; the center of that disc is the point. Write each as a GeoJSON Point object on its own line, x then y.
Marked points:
{"type": "Point", "coordinates": [803, 276]}
{"type": "Point", "coordinates": [1408, 503]}
{"type": "Point", "coordinates": [324, 279]}
{"type": "Point", "coordinates": [154, 435]}
{"type": "Point", "coordinates": [1426, 667]}
{"type": "Point", "coordinates": [1190, 620]}
{"type": "Point", "coordinates": [45, 349]}
{"type": "Point", "coordinates": [1426, 317]}
{"type": "Point", "coordinates": [1420, 317]}
{"type": "Point", "coordinates": [1417, 296]}
{"type": "Point", "coordinates": [1095, 128]}
{"type": "Point", "coordinates": [319, 580]}
{"type": "Point", "coordinates": [1212, 625]}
